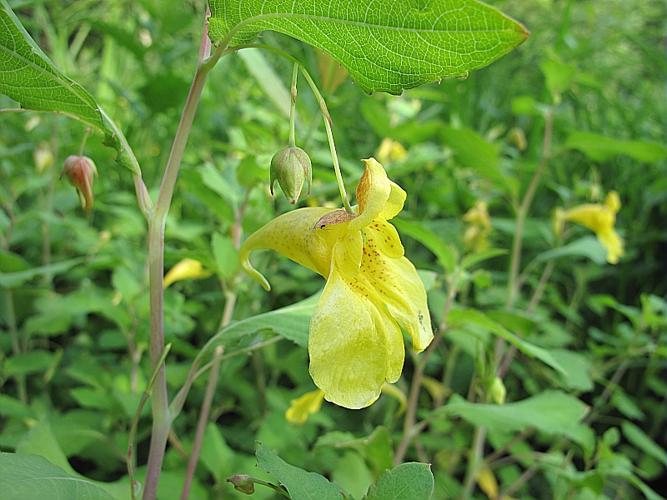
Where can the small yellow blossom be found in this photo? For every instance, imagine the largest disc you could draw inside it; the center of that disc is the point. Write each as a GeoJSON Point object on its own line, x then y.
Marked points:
{"type": "Point", "coordinates": [187, 269]}
{"type": "Point", "coordinates": [304, 406]}
{"type": "Point", "coordinates": [487, 483]}
{"type": "Point", "coordinates": [372, 290]}
{"type": "Point", "coordinates": [599, 218]}
{"type": "Point", "coordinates": [476, 236]}
{"type": "Point", "coordinates": [391, 150]}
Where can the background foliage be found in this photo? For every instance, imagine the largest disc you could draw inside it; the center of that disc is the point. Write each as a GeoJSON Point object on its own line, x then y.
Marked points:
{"type": "Point", "coordinates": [586, 395]}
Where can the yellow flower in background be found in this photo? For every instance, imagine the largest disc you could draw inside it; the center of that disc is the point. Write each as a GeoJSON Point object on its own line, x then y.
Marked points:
{"type": "Point", "coordinates": [599, 218]}
{"type": "Point", "coordinates": [187, 269]}
{"type": "Point", "coordinates": [391, 150]}
{"type": "Point", "coordinates": [372, 290]}
{"type": "Point", "coordinates": [302, 407]}
{"type": "Point", "coordinates": [476, 236]}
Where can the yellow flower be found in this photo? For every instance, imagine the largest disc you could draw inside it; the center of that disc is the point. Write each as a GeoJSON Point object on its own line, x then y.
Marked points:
{"type": "Point", "coordinates": [372, 290]}
{"type": "Point", "coordinates": [599, 218]}
{"type": "Point", "coordinates": [304, 406]}
{"type": "Point", "coordinates": [391, 150]}
{"type": "Point", "coordinates": [187, 269]}
{"type": "Point", "coordinates": [476, 236]}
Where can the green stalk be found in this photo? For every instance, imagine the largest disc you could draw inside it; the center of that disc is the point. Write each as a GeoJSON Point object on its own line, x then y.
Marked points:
{"type": "Point", "coordinates": [130, 456]}
{"type": "Point", "coordinates": [156, 227]}
{"type": "Point", "coordinates": [292, 109]}
{"type": "Point", "coordinates": [332, 145]}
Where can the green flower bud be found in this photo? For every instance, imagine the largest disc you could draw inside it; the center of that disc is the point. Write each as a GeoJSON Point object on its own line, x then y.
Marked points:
{"type": "Point", "coordinates": [43, 157]}
{"type": "Point", "coordinates": [498, 391]}
{"type": "Point", "coordinates": [291, 167]}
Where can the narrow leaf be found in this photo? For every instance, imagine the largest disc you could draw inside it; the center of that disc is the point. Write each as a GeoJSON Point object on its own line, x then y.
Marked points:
{"type": "Point", "coordinates": [460, 317]}
{"type": "Point", "coordinates": [601, 148]}
{"type": "Point", "coordinates": [446, 254]}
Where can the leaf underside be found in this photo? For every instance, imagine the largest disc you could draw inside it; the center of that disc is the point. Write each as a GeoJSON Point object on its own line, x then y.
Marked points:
{"type": "Point", "coordinates": [30, 78]}
{"type": "Point", "coordinates": [386, 45]}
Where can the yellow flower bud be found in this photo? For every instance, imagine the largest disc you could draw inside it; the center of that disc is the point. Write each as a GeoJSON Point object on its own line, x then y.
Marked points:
{"type": "Point", "coordinates": [187, 269]}
{"type": "Point", "coordinates": [43, 157]}
{"type": "Point", "coordinates": [302, 407]}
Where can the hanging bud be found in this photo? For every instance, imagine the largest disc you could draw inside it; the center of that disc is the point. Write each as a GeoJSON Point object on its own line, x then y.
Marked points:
{"type": "Point", "coordinates": [498, 391]}
{"type": "Point", "coordinates": [242, 483]}
{"type": "Point", "coordinates": [80, 171]}
{"type": "Point", "coordinates": [43, 157]}
{"type": "Point", "coordinates": [291, 167]}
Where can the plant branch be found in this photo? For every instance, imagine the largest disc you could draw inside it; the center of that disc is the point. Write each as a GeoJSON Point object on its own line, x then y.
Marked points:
{"type": "Point", "coordinates": [131, 445]}
{"type": "Point", "coordinates": [517, 245]}
{"type": "Point", "coordinates": [160, 403]}
{"type": "Point", "coordinates": [474, 460]}
{"type": "Point", "coordinates": [292, 109]}
{"type": "Point", "coordinates": [330, 138]}
{"type": "Point", "coordinates": [203, 420]}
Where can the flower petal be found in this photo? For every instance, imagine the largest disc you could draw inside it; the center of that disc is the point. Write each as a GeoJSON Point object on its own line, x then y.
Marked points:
{"type": "Point", "coordinates": [303, 406]}
{"type": "Point", "coordinates": [293, 235]}
{"type": "Point", "coordinates": [186, 269]}
{"type": "Point", "coordinates": [373, 192]}
{"type": "Point", "coordinates": [612, 243]}
{"type": "Point", "coordinates": [395, 202]}
{"type": "Point", "coordinates": [399, 289]}
{"type": "Point", "coordinates": [349, 348]}
{"type": "Point", "coordinates": [594, 217]}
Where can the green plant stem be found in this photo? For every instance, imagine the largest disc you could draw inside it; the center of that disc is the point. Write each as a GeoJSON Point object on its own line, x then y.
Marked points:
{"type": "Point", "coordinates": [201, 424]}
{"type": "Point", "coordinates": [131, 445]}
{"type": "Point", "coordinates": [14, 337]}
{"type": "Point", "coordinates": [156, 227]}
{"type": "Point", "coordinates": [330, 138]}
{"type": "Point", "coordinates": [410, 430]}
{"type": "Point", "coordinates": [522, 213]}
{"type": "Point", "coordinates": [292, 109]}
{"type": "Point", "coordinates": [507, 359]}
{"type": "Point", "coordinates": [474, 461]}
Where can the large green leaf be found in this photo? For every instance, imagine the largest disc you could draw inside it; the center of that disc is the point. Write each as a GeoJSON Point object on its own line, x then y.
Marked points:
{"type": "Point", "coordinates": [386, 45]}
{"type": "Point", "coordinates": [291, 322]}
{"type": "Point", "coordinates": [301, 484]}
{"type": "Point", "coordinates": [29, 77]}
{"type": "Point", "coordinates": [31, 476]}
{"type": "Point", "coordinates": [410, 481]}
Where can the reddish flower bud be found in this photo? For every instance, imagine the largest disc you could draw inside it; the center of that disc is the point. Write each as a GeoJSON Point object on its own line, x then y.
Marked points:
{"type": "Point", "coordinates": [80, 171]}
{"type": "Point", "coordinates": [243, 483]}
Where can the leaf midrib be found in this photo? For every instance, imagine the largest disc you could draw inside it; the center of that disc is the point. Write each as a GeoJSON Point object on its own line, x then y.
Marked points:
{"type": "Point", "coordinates": [364, 24]}
{"type": "Point", "coordinates": [53, 76]}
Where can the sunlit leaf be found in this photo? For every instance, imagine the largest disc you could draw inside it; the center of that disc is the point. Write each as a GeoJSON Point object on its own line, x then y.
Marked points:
{"type": "Point", "coordinates": [386, 45]}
